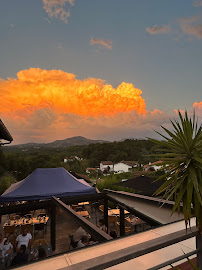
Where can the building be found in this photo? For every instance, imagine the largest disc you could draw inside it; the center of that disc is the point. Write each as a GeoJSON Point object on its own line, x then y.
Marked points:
{"type": "Point", "coordinates": [157, 165]}
{"type": "Point", "coordinates": [106, 166]}
{"type": "Point", "coordinates": [125, 166]}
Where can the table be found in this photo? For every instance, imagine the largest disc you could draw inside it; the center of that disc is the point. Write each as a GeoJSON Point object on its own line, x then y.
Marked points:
{"type": "Point", "coordinates": [83, 213]}
{"type": "Point", "coordinates": [83, 203]}
{"type": "Point", "coordinates": [116, 212]}
{"type": "Point", "coordinates": [9, 227]}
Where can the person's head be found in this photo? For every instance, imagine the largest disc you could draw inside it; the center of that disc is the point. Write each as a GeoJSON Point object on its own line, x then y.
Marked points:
{"type": "Point", "coordinates": [22, 249]}
{"type": "Point", "coordinates": [6, 241]}
{"type": "Point", "coordinates": [84, 239]}
{"type": "Point", "coordinates": [42, 253]}
{"type": "Point", "coordinates": [113, 234]}
{"type": "Point", "coordinates": [101, 221]}
{"type": "Point", "coordinates": [24, 231]}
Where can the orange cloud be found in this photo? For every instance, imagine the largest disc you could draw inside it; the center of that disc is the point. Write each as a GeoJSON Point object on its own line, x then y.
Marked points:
{"type": "Point", "coordinates": [158, 29]}
{"type": "Point", "coordinates": [57, 9]}
{"type": "Point", "coordinates": [198, 105]}
{"type": "Point", "coordinates": [36, 89]}
{"type": "Point", "coordinates": [156, 112]}
{"type": "Point", "coordinates": [101, 42]}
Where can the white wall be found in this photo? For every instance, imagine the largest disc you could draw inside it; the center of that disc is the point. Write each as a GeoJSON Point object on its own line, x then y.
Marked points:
{"type": "Point", "coordinates": [105, 167]}
{"type": "Point", "coordinates": [121, 167]}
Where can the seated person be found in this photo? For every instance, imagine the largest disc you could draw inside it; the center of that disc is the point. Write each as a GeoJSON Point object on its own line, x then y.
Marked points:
{"type": "Point", "coordinates": [7, 248]}
{"type": "Point", "coordinates": [101, 225]}
{"type": "Point", "coordinates": [21, 256]}
{"type": "Point", "coordinates": [83, 242]}
{"type": "Point", "coordinates": [41, 253]}
{"type": "Point", "coordinates": [113, 234]}
{"type": "Point", "coordinates": [24, 239]}
{"type": "Point", "coordinates": [78, 234]}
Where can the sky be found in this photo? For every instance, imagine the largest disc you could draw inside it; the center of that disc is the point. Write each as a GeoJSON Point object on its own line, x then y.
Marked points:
{"type": "Point", "coordinates": [97, 68]}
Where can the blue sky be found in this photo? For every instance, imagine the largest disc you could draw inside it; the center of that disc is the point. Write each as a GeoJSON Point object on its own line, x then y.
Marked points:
{"type": "Point", "coordinates": [166, 65]}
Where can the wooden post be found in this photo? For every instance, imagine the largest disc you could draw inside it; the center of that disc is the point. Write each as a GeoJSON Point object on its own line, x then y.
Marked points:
{"type": "Point", "coordinates": [122, 222]}
{"type": "Point", "coordinates": [199, 246]}
{"type": "Point", "coordinates": [53, 226]}
{"type": "Point", "coordinates": [106, 212]}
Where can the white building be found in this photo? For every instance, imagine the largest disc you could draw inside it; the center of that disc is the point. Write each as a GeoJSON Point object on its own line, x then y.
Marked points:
{"type": "Point", "coordinates": [155, 165]}
{"type": "Point", "coordinates": [106, 166]}
{"type": "Point", "coordinates": [125, 166]}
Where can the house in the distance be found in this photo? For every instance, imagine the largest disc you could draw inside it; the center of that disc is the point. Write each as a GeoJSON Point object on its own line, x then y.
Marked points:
{"type": "Point", "coordinates": [154, 166]}
{"type": "Point", "coordinates": [72, 158]}
{"type": "Point", "coordinates": [125, 166]}
{"type": "Point", "coordinates": [106, 166]}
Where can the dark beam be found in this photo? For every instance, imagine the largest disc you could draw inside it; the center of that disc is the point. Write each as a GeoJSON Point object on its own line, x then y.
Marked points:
{"type": "Point", "coordinates": [122, 222]}
{"type": "Point", "coordinates": [129, 253]}
{"type": "Point", "coordinates": [53, 226]}
{"type": "Point", "coordinates": [29, 206]}
{"type": "Point", "coordinates": [133, 211]}
{"type": "Point", "coordinates": [199, 255]}
{"type": "Point", "coordinates": [93, 230]}
{"type": "Point", "coordinates": [106, 212]}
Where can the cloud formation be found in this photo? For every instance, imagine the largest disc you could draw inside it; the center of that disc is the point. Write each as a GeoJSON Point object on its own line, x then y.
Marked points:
{"type": "Point", "coordinates": [191, 26]}
{"type": "Point", "coordinates": [101, 42]}
{"type": "Point", "coordinates": [165, 29]}
{"type": "Point", "coordinates": [197, 3]}
{"type": "Point", "coordinates": [43, 105]}
{"type": "Point", "coordinates": [59, 9]}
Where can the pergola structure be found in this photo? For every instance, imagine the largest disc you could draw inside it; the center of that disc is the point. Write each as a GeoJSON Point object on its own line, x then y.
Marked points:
{"type": "Point", "coordinates": [147, 208]}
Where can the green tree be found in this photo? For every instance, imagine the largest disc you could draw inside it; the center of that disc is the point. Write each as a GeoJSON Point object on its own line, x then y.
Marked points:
{"type": "Point", "coordinates": [183, 181]}
{"type": "Point", "coordinates": [5, 181]}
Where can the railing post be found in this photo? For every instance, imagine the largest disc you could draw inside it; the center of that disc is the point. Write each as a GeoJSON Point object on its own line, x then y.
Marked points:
{"type": "Point", "coordinates": [199, 254]}
{"type": "Point", "coordinates": [122, 222]}
{"type": "Point", "coordinates": [53, 226]}
{"type": "Point", "coordinates": [106, 212]}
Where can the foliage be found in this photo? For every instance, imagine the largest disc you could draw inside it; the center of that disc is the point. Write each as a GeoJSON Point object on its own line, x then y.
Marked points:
{"type": "Point", "coordinates": [109, 180]}
{"type": "Point", "coordinates": [5, 181]}
{"type": "Point", "coordinates": [183, 181]}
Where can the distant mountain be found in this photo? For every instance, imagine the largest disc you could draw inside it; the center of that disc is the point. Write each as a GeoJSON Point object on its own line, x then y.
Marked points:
{"type": "Point", "coordinates": [79, 140]}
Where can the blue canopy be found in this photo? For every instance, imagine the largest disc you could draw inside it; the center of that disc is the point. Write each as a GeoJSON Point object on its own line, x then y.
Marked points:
{"type": "Point", "coordinates": [45, 183]}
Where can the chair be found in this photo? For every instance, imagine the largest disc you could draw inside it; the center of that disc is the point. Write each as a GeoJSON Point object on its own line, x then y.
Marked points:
{"type": "Point", "coordinates": [15, 217]}
{"type": "Point", "coordinates": [112, 219]}
{"type": "Point", "coordinates": [29, 227]}
{"type": "Point", "coordinates": [41, 215]}
{"type": "Point", "coordinates": [101, 208]}
{"type": "Point", "coordinates": [39, 242]}
{"type": "Point", "coordinates": [28, 216]}
{"type": "Point", "coordinates": [39, 227]}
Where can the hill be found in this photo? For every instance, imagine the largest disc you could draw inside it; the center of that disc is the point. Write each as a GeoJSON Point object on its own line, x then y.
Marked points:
{"type": "Point", "coordinates": [73, 141]}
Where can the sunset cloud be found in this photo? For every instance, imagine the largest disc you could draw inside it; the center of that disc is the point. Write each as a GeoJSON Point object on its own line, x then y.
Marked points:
{"type": "Point", "coordinates": [59, 9]}
{"type": "Point", "coordinates": [191, 26]}
{"type": "Point", "coordinates": [197, 3]}
{"type": "Point", "coordinates": [45, 104]}
{"type": "Point", "coordinates": [165, 29]}
{"type": "Point", "coordinates": [101, 42]}
{"type": "Point", "coordinates": [197, 105]}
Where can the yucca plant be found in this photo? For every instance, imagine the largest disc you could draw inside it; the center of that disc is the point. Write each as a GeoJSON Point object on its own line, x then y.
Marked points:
{"type": "Point", "coordinates": [183, 180]}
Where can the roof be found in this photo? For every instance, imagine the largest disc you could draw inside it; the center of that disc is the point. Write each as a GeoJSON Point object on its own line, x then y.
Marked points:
{"type": "Point", "coordinates": [4, 133]}
{"type": "Point", "coordinates": [142, 184]}
{"type": "Point", "coordinates": [129, 163]}
{"type": "Point", "coordinates": [82, 176]}
{"type": "Point", "coordinates": [107, 162]}
{"type": "Point", "coordinates": [149, 209]}
{"type": "Point", "coordinates": [45, 183]}
{"type": "Point", "coordinates": [70, 259]}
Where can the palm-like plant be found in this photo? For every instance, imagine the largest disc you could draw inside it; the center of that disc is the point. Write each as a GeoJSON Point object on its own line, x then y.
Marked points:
{"type": "Point", "coordinates": [183, 181]}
